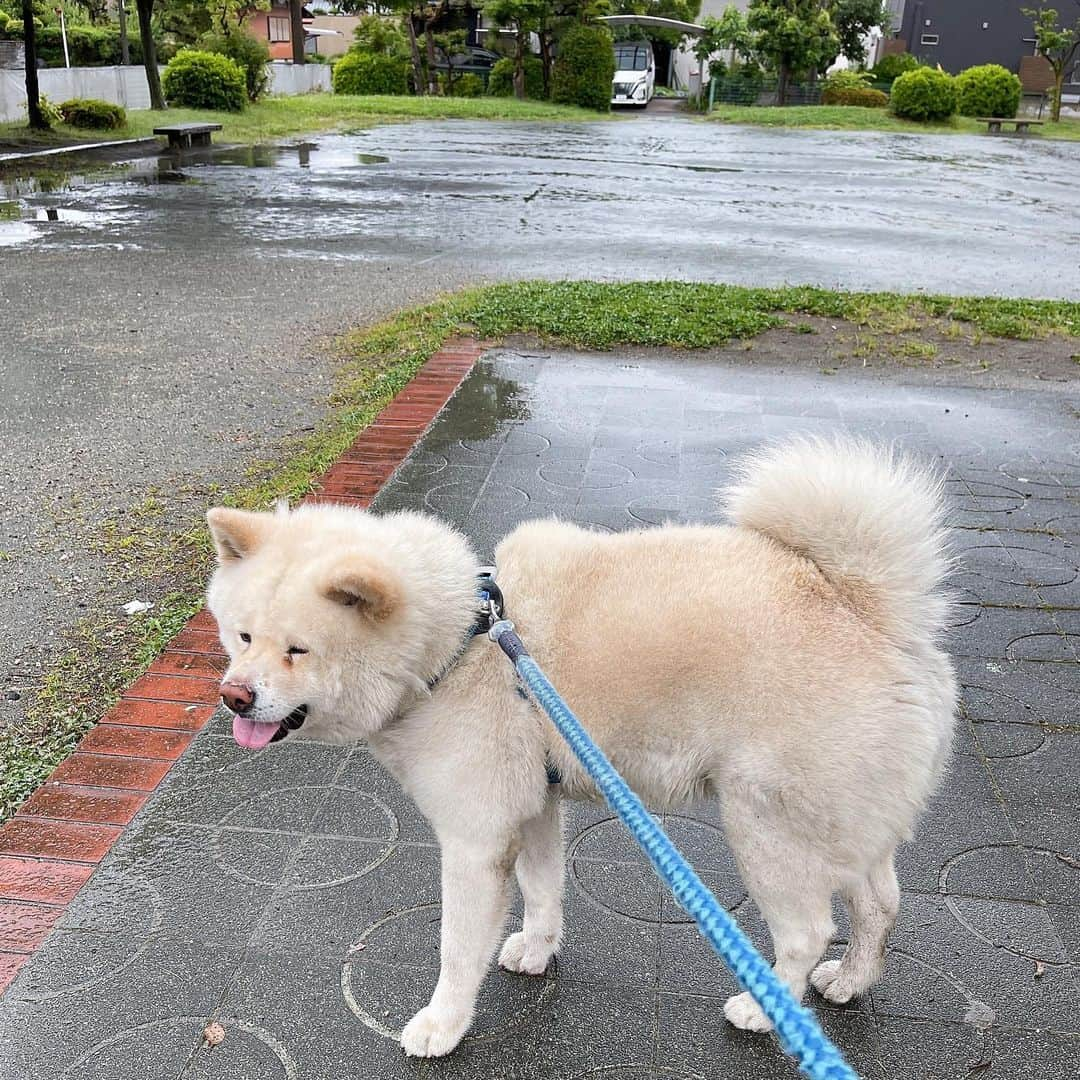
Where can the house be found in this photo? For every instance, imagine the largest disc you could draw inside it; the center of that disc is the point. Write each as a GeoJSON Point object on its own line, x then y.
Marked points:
{"type": "Point", "coordinates": [958, 34]}
{"type": "Point", "coordinates": [274, 26]}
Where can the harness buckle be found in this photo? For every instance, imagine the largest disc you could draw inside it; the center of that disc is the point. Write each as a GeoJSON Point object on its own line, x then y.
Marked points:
{"type": "Point", "coordinates": [492, 604]}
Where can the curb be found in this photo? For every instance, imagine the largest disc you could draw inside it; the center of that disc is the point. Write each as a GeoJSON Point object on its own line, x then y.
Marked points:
{"type": "Point", "coordinates": [145, 142]}
{"type": "Point", "coordinates": [50, 848]}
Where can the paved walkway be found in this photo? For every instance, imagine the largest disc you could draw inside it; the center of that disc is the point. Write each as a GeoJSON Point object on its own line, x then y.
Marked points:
{"type": "Point", "coordinates": [244, 887]}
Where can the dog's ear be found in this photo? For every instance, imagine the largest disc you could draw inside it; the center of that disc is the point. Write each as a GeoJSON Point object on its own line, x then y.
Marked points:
{"type": "Point", "coordinates": [360, 581]}
{"type": "Point", "coordinates": [236, 533]}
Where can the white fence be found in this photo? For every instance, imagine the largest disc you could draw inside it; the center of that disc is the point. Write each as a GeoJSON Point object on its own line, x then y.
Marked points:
{"type": "Point", "coordinates": [127, 85]}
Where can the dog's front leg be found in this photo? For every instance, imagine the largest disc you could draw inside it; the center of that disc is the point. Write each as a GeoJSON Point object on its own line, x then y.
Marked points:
{"type": "Point", "coordinates": [475, 902]}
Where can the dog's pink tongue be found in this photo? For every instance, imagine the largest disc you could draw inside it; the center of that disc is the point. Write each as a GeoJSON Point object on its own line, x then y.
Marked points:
{"type": "Point", "coordinates": [252, 735]}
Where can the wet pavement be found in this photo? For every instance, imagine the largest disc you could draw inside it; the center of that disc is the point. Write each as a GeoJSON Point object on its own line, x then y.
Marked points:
{"type": "Point", "coordinates": [648, 197]}
{"type": "Point", "coordinates": [246, 887]}
{"type": "Point", "coordinates": [162, 326]}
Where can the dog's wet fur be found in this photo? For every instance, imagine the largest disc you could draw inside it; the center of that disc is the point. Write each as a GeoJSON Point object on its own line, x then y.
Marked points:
{"type": "Point", "coordinates": [786, 665]}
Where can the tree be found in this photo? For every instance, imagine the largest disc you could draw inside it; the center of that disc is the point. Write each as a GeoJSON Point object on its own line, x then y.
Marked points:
{"type": "Point", "coordinates": [145, 9]}
{"type": "Point", "coordinates": [33, 97]}
{"type": "Point", "coordinates": [853, 20]}
{"type": "Point", "coordinates": [525, 17]}
{"type": "Point", "coordinates": [1058, 45]}
{"type": "Point", "coordinates": [296, 30]}
{"type": "Point", "coordinates": [729, 33]}
{"type": "Point", "coordinates": [794, 36]}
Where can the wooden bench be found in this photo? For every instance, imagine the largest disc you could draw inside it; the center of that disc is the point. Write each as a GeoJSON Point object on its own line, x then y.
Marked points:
{"type": "Point", "coordinates": [184, 136]}
{"type": "Point", "coordinates": [1021, 123]}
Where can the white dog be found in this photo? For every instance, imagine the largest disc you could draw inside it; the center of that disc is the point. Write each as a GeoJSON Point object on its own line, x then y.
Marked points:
{"type": "Point", "coordinates": [787, 665]}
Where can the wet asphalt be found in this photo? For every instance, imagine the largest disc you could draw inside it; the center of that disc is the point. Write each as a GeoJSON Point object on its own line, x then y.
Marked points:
{"type": "Point", "coordinates": [163, 325]}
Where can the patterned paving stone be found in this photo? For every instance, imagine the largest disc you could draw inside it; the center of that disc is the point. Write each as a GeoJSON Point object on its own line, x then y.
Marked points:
{"type": "Point", "coordinates": [293, 894]}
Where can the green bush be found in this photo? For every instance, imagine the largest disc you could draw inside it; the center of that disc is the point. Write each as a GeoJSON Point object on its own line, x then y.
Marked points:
{"type": "Point", "coordinates": [924, 94]}
{"type": "Point", "coordinates": [584, 68]}
{"type": "Point", "coordinates": [371, 73]}
{"type": "Point", "coordinates": [501, 78]}
{"type": "Point", "coordinates": [845, 80]}
{"type": "Point", "coordinates": [740, 86]}
{"type": "Point", "coordinates": [91, 113]}
{"type": "Point", "coordinates": [204, 80]}
{"type": "Point", "coordinates": [892, 67]}
{"type": "Point", "coordinates": [470, 85]}
{"type": "Point", "coordinates": [249, 52]}
{"type": "Point", "coordinates": [987, 90]}
{"type": "Point", "coordinates": [866, 96]}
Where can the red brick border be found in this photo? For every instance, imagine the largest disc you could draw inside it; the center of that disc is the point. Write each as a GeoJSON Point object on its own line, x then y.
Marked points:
{"type": "Point", "coordinates": [51, 846]}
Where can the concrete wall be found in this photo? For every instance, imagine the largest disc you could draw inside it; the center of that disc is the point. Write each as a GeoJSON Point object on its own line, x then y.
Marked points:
{"type": "Point", "coordinates": [127, 85]}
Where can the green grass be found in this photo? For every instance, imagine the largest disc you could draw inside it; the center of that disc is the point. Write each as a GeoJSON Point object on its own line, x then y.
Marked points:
{"type": "Point", "coordinates": [277, 117]}
{"type": "Point", "coordinates": [856, 118]}
{"type": "Point", "coordinates": [108, 651]}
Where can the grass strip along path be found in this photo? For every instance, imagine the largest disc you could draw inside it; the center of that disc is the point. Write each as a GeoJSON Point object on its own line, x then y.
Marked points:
{"type": "Point", "coordinates": [278, 117]}
{"type": "Point", "coordinates": [106, 652]}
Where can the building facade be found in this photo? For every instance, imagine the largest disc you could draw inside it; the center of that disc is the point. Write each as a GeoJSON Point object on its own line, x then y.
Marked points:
{"type": "Point", "coordinates": [958, 34]}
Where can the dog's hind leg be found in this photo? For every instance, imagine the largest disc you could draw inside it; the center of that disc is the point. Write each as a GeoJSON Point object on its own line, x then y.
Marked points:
{"type": "Point", "coordinates": [793, 891]}
{"type": "Point", "coordinates": [872, 906]}
{"type": "Point", "coordinates": [540, 871]}
{"type": "Point", "coordinates": [475, 901]}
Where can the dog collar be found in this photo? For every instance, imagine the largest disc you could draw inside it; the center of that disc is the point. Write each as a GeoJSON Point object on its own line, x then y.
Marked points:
{"type": "Point", "coordinates": [489, 610]}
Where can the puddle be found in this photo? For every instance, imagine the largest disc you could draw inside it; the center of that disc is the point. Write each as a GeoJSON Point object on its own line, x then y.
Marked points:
{"type": "Point", "coordinates": [371, 159]}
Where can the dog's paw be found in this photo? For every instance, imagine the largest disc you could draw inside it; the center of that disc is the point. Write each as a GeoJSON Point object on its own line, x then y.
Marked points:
{"type": "Point", "coordinates": [745, 1013]}
{"type": "Point", "coordinates": [524, 958]}
{"type": "Point", "coordinates": [829, 981]}
{"type": "Point", "coordinates": [432, 1033]}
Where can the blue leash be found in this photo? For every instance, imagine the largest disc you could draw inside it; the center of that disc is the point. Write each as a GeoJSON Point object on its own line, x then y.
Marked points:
{"type": "Point", "coordinates": [798, 1029]}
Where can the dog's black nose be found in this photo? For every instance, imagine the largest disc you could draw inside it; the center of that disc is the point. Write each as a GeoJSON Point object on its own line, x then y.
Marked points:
{"type": "Point", "coordinates": [238, 697]}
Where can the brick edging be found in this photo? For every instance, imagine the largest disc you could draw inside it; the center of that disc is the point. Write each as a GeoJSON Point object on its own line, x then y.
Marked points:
{"type": "Point", "coordinates": [49, 849]}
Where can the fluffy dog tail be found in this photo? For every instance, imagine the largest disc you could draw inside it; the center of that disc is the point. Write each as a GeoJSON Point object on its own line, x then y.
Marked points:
{"type": "Point", "coordinates": [869, 518]}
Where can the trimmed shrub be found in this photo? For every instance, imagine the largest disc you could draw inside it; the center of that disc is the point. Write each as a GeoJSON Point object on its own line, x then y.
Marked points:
{"type": "Point", "coordinates": [249, 52]}
{"type": "Point", "coordinates": [845, 80]}
{"type": "Point", "coordinates": [866, 96]}
{"type": "Point", "coordinates": [501, 78]}
{"type": "Point", "coordinates": [371, 73]}
{"type": "Point", "coordinates": [987, 90]}
{"type": "Point", "coordinates": [471, 85]}
{"type": "Point", "coordinates": [740, 86]}
{"type": "Point", "coordinates": [92, 113]}
{"type": "Point", "coordinates": [892, 67]}
{"type": "Point", "coordinates": [584, 68]}
{"type": "Point", "coordinates": [924, 94]}
{"type": "Point", "coordinates": [204, 80]}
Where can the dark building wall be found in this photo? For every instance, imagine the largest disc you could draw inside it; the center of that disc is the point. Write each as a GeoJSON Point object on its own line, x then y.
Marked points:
{"type": "Point", "coordinates": [969, 32]}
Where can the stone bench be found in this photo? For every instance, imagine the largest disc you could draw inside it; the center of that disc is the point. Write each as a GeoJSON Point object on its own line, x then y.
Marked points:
{"type": "Point", "coordinates": [184, 136]}
{"type": "Point", "coordinates": [1022, 124]}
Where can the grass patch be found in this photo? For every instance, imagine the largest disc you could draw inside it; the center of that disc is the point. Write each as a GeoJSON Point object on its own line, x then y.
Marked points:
{"type": "Point", "coordinates": [857, 118]}
{"type": "Point", "coordinates": [277, 117]}
{"type": "Point", "coordinates": [108, 651]}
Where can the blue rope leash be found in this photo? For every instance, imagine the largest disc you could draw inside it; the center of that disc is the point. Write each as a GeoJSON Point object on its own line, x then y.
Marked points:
{"type": "Point", "coordinates": [798, 1029]}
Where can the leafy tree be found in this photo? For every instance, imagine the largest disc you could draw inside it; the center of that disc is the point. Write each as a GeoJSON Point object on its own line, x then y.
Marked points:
{"type": "Point", "coordinates": [524, 17]}
{"type": "Point", "coordinates": [374, 34]}
{"type": "Point", "coordinates": [451, 44]}
{"type": "Point", "coordinates": [794, 36]}
{"type": "Point", "coordinates": [33, 96]}
{"type": "Point", "coordinates": [728, 33]}
{"type": "Point", "coordinates": [853, 20]}
{"type": "Point", "coordinates": [412, 12]}
{"type": "Point", "coordinates": [1058, 45]}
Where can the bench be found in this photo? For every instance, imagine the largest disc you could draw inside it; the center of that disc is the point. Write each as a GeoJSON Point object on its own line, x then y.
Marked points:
{"type": "Point", "coordinates": [1021, 123]}
{"type": "Point", "coordinates": [184, 136]}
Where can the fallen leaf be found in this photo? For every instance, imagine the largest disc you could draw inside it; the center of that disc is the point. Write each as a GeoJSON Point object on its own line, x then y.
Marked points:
{"type": "Point", "coordinates": [214, 1034]}
{"type": "Point", "coordinates": [358, 947]}
{"type": "Point", "coordinates": [1040, 969]}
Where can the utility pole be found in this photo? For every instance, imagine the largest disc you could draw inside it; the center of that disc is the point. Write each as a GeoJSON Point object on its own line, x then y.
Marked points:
{"type": "Point", "coordinates": [125, 51]}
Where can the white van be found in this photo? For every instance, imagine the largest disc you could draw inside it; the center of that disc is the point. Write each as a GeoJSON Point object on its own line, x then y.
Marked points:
{"type": "Point", "coordinates": [635, 74]}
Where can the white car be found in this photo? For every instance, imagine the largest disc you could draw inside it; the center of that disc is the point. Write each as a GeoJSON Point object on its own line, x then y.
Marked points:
{"type": "Point", "coordinates": [635, 74]}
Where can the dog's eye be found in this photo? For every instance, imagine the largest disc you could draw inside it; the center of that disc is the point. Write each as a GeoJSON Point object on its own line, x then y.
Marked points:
{"type": "Point", "coordinates": [295, 650]}
{"type": "Point", "coordinates": [245, 638]}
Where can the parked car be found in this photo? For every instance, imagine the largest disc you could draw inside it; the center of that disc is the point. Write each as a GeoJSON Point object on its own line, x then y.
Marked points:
{"type": "Point", "coordinates": [471, 58]}
{"type": "Point", "coordinates": [635, 74]}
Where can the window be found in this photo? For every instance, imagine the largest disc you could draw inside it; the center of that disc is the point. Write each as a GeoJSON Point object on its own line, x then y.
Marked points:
{"type": "Point", "coordinates": [279, 29]}
{"type": "Point", "coordinates": [631, 57]}
{"type": "Point", "coordinates": [928, 39]}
